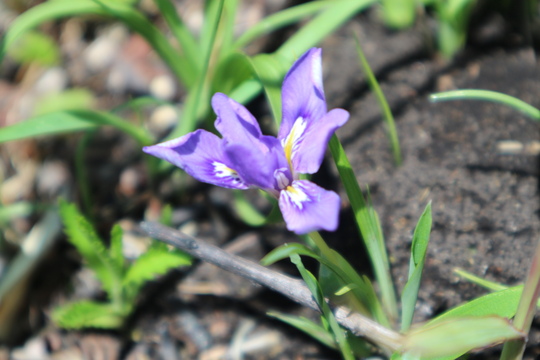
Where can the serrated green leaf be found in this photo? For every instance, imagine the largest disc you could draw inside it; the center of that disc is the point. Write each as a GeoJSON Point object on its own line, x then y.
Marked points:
{"type": "Point", "coordinates": [418, 255]}
{"type": "Point", "coordinates": [72, 99]}
{"type": "Point", "coordinates": [149, 265]}
{"type": "Point", "coordinates": [457, 336]}
{"type": "Point", "coordinates": [34, 46]}
{"type": "Point", "coordinates": [115, 250]}
{"type": "Point", "coordinates": [83, 236]}
{"type": "Point", "coordinates": [88, 314]}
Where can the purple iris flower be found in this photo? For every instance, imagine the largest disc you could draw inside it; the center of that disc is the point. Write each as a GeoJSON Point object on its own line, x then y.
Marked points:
{"type": "Point", "coordinates": [244, 158]}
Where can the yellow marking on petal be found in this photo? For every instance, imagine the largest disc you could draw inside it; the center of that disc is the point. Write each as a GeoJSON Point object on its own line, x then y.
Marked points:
{"type": "Point", "coordinates": [297, 131]}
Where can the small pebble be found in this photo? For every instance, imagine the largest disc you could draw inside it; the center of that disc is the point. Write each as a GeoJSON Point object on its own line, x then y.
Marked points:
{"type": "Point", "coordinates": [163, 87]}
{"type": "Point", "coordinates": [162, 119]}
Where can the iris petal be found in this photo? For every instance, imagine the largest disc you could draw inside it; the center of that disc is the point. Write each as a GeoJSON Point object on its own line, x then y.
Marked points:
{"type": "Point", "coordinates": [308, 151]}
{"type": "Point", "coordinates": [307, 207]}
{"type": "Point", "coordinates": [234, 121]}
{"type": "Point", "coordinates": [302, 93]}
{"type": "Point", "coordinates": [200, 154]}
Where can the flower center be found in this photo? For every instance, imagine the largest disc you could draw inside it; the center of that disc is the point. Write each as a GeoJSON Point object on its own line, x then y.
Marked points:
{"type": "Point", "coordinates": [292, 141]}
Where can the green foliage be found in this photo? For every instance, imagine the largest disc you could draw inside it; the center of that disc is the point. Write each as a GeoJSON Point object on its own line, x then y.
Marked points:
{"type": "Point", "coordinates": [454, 337]}
{"type": "Point", "coordinates": [120, 281]}
{"type": "Point", "coordinates": [492, 96]}
{"type": "Point", "coordinates": [418, 256]}
{"type": "Point", "coordinates": [35, 47]}
{"type": "Point", "coordinates": [72, 99]}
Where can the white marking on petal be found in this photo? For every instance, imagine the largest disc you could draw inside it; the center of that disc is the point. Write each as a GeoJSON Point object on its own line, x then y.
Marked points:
{"type": "Point", "coordinates": [292, 141]}
{"type": "Point", "coordinates": [316, 71]}
{"type": "Point", "coordinates": [223, 171]}
{"type": "Point", "coordinates": [281, 179]}
{"type": "Point", "coordinates": [296, 195]}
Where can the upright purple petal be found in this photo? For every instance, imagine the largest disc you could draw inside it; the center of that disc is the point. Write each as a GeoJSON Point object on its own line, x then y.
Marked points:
{"type": "Point", "coordinates": [201, 155]}
{"type": "Point", "coordinates": [308, 147]}
{"type": "Point", "coordinates": [302, 94]}
{"type": "Point", "coordinates": [234, 121]}
{"type": "Point", "coordinates": [307, 207]}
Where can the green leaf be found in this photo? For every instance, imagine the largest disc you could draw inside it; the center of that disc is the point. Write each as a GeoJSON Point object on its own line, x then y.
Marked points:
{"type": "Point", "coordinates": [83, 236]}
{"type": "Point", "coordinates": [72, 99]}
{"type": "Point", "coordinates": [52, 10]}
{"type": "Point", "coordinates": [149, 265]}
{"type": "Point", "coordinates": [314, 330]}
{"type": "Point", "coordinates": [270, 70]}
{"type": "Point", "coordinates": [383, 104]}
{"type": "Point", "coordinates": [399, 14]}
{"type": "Point", "coordinates": [88, 314]}
{"type": "Point", "coordinates": [369, 226]}
{"type": "Point", "coordinates": [285, 251]}
{"type": "Point", "coordinates": [418, 255]}
{"type": "Point", "coordinates": [492, 96]}
{"type": "Point", "coordinates": [15, 210]}
{"type": "Point", "coordinates": [70, 121]}
{"type": "Point", "coordinates": [115, 250]}
{"type": "Point", "coordinates": [56, 123]}
{"type": "Point", "coordinates": [339, 334]}
{"type": "Point", "coordinates": [323, 24]}
{"type": "Point", "coordinates": [458, 336]}
{"type": "Point", "coordinates": [281, 19]}
{"type": "Point", "coordinates": [36, 47]}
{"type": "Point", "coordinates": [199, 96]}
{"type": "Point", "coordinates": [246, 211]}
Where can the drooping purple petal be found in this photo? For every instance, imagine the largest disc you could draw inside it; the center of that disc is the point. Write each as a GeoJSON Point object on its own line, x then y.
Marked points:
{"type": "Point", "coordinates": [234, 121]}
{"type": "Point", "coordinates": [201, 155]}
{"type": "Point", "coordinates": [302, 94]}
{"type": "Point", "coordinates": [308, 147]}
{"type": "Point", "coordinates": [307, 207]}
{"type": "Point", "coordinates": [256, 165]}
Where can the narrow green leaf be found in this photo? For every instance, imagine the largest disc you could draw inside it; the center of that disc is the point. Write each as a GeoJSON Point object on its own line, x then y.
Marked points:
{"type": "Point", "coordinates": [383, 104]}
{"type": "Point", "coordinates": [52, 10]}
{"type": "Point", "coordinates": [71, 99]}
{"type": "Point", "coordinates": [418, 255]}
{"type": "Point", "coordinates": [286, 250]}
{"type": "Point", "coordinates": [491, 96]}
{"type": "Point", "coordinates": [369, 226]}
{"type": "Point", "coordinates": [281, 19]}
{"type": "Point", "coordinates": [490, 285]}
{"type": "Point", "coordinates": [88, 314]}
{"type": "Point", "coordinates": [323, 24]}
{"type": "Point", "coordinates": [148, 266]}
{"type": "Point", "coordinates": [314, 330]}
{"type": "Point", "coordinates": [199, 95]}
{"type": "Point", "coordinates": [69, 121]}
{"type": "Point", "coordinates": [185, 39]}
{"type": "Point", "coordinates": [340, 337]}
{"type": "Point", "coordinates": [56, 123]}
{"type": "Point", "coordinates": [457, 336]}
{"type": "Point", "coordinates": [36, 47]}
{"type": "Point", "coordinates": [246, 211]}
